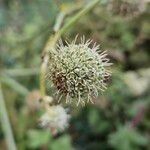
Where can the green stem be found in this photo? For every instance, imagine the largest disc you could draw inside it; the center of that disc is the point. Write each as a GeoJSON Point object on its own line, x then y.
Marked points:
{"type": "Point", "coordinates": [21, 72]}
{"type": "Point", "coordinates": [16, 86]}
{"type": "Point", "coordinates": [74, 19]}
{"type": "Point", "coordinates": [6, 123]}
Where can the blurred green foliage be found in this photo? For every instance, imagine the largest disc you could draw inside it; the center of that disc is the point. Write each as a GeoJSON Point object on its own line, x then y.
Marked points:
{"type": "Point", "coordinates": [37, 138]}
{"type": "Point", "coordinates": [24, 28]}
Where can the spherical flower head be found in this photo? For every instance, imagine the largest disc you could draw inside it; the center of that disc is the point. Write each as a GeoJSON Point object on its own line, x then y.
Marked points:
{"type": "Point", "coordinates": [78, 71]}
{"type": "Point", "coordinates": [55, 118]}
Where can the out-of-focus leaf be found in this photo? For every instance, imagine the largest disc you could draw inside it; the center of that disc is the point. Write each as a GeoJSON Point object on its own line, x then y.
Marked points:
{"type": "Point", "coordinates": [135, 106]}
{"type": "Point", "coordinates": [64, 143]}
{"type": "Point", "coordinates": [127, 40]}
{"type": "Point", "coordinates": [126, 138]}
{"type": "Point", "coordinates": [97, 123]}
{"type": "Point", "coordinates": [16, 86]}
{"type": "Point", "coordinates": [38, 138]}
{"type": "Point", "coordinates": [22, 71]}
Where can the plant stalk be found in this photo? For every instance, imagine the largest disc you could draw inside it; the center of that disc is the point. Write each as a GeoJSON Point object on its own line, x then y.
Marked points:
{"type": "Point", "coordinates": [6, 123]}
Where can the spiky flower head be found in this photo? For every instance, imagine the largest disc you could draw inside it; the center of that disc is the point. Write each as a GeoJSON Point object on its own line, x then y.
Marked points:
{"type": "Point", "coordinates": [78, 71]}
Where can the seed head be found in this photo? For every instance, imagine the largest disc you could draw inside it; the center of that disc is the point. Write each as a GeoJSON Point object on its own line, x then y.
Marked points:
{"type": "Point", "coordinates": [127, 8]}
{"type": "Point", "coordinates": [78, 71]}
{"type": "Point", "coordinates": [55, 118]}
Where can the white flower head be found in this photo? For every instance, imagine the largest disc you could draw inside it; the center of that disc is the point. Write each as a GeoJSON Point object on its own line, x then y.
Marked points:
{"type": "Point", "coordinates": [56, 118]}
{"type": "Point", "coordinates": [78, 71]}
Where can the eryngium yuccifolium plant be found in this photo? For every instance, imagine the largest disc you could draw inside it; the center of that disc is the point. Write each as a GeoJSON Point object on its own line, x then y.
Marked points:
{"type": "Point", "coordinates": [78, 71]}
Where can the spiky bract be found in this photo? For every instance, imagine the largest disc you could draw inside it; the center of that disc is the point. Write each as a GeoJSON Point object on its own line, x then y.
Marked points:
{"type": "Point", "coordinates": [78, 71]}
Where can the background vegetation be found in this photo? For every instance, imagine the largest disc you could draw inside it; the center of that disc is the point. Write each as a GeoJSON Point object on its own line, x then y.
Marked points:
{"type": "Point", "coordinates": [119, 120]}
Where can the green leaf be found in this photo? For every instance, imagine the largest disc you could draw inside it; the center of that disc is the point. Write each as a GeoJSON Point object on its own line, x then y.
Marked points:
{"type": "Point", "coordinates": [37, 138]}
{"type": "Point", "coordinates": [126, 138]}
{"type": "Point", "coordinates": [63, 143]}
{"type": "Point", "coordinates": [15, 85]}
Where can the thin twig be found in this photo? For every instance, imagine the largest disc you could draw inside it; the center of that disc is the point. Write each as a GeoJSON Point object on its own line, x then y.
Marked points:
{"type": "Point", "coordinates": [6, 124]}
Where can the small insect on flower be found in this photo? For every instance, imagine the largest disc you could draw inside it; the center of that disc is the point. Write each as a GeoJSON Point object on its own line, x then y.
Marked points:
{"type": "Point", "coordinates": [78, 71]}
{"type": "Point", "coordinates": [55, 118]}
